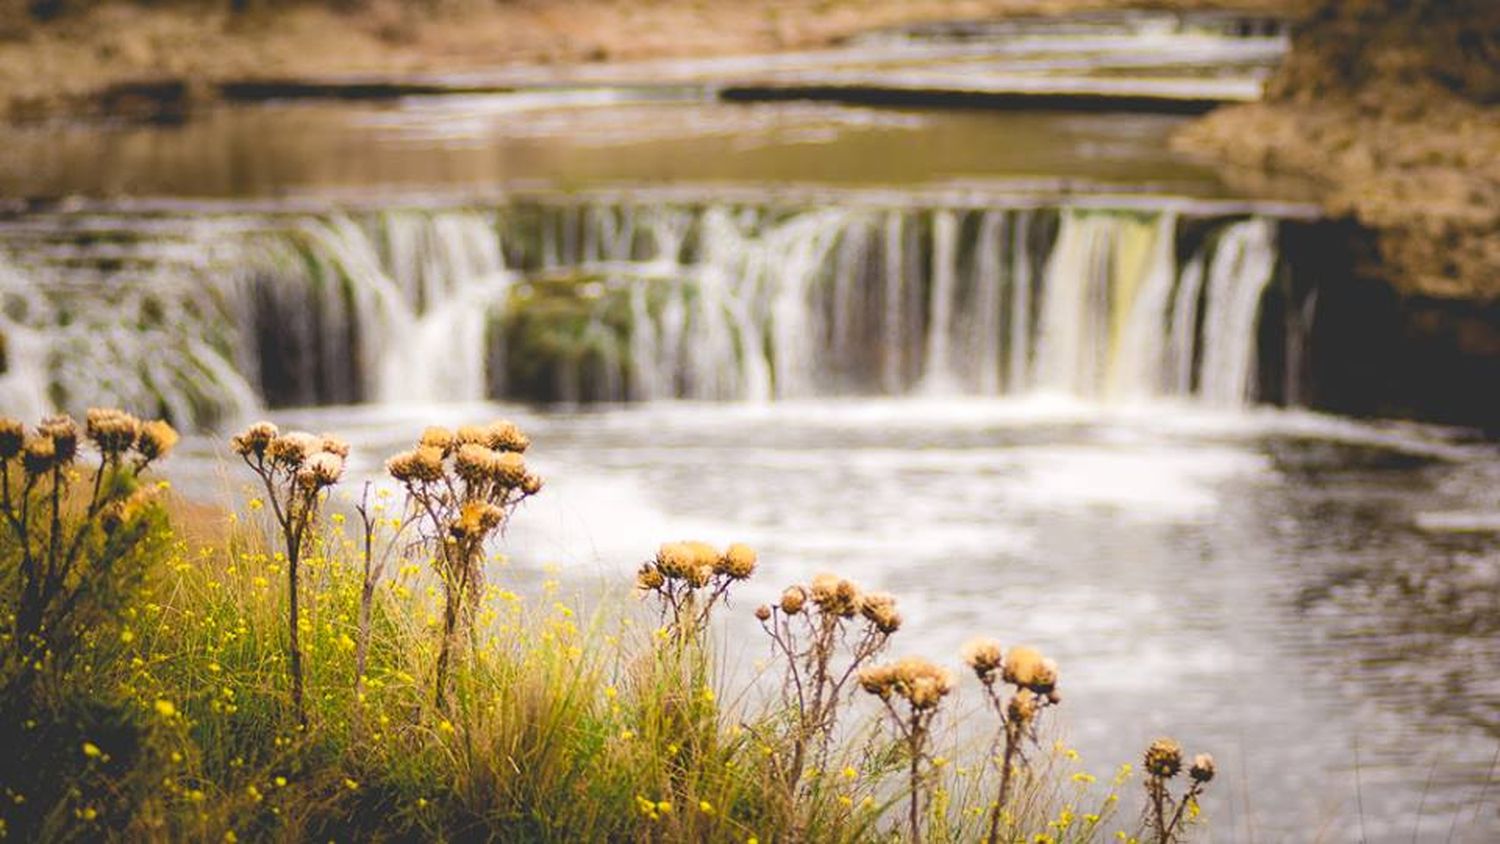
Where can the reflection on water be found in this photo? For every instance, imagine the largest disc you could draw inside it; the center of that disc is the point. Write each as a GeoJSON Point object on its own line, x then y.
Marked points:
{"type": "Point", "coordinates": [585, 138]}
{"type": "Point", "coordinates": [1256, 584]}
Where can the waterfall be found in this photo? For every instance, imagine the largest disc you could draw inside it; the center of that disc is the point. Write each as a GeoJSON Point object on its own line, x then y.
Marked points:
{"type": "Point", "coordinates": [619, 300]}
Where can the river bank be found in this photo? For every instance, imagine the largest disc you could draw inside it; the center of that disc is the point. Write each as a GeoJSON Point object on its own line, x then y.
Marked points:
{"type": "Point", "coordinates": [119, 57]}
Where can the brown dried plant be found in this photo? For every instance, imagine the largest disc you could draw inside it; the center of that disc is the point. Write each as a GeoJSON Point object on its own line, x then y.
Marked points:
{"type": "Point", "coordinates": [1034, 678]}
{"type": "Point", "coordinates": [464, 485]}
{"type": "Point", "coordinates": [826, 631]}
{"type": "Point", "coordinates": [295, 468]}
{"type": "Point", "coordinates": [911, 689]}
{"type": "Point", "coordinates": [1165, 814]}
{"type": "Point", "coordinates": [689, 579]}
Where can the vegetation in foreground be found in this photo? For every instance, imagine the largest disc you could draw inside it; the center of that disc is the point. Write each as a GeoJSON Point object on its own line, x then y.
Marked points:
{"type": "Point", "coordinates": [313, 671]}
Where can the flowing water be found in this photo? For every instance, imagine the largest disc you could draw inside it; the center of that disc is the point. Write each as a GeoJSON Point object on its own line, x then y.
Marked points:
{"type": "Point", "coordinates": [1020, 368]}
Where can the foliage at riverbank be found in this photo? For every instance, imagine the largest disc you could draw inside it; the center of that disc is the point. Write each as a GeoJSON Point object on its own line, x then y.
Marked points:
{"type": "Point", "coordinates": [166, 687]}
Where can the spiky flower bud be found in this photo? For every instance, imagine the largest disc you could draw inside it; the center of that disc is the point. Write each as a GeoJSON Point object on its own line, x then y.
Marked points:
{"type": "Point", "coordinates": [1202, 769]}
{"type": "Point", "coordinates": [476, 464]}
{"type": "Point", "coordinates": [649, 578]}
{"type": "Point", "coordinates": [39, 454]}
{"type": "Point", "coordinates": [509, 470]}
{"type": "Point", "coordinates": [112, 431]}
{"type": "Point", "coordinates": [255, 439]}
{"type": "Point", "coordinates": [1164, 758]}
{"type": "Point", "coordinates": [879, 608]}
{"type": "Point", "coordinates": [835, 595]}
{"type": "Point", "coordinates": [763, 612]}
{"type": "Point", "coordinates": [878, 680]}
{"type": "Point", "coordinates": [506, 436]}
{"type": "Point", "coordinates": [984, 656]}
{"type": "Point", "coordinates": [738, 561]}
{"type": "Point", "coordinates": [335, 445]}
{"type": "Point", "coordinates": [321, 470]}
{"type": "Point", "coordinates": [438, 438]}
{"type": "Point", "coordinates": [793, 599]}
{"type": "Point", "coordinates": [1022, 707]}
{"type": "Point", "coordinates": [64, 433]}
{"type": "Point", "coordinates": [292, 449]}
{"type": "Point", "coordinates": [531, 484]}
{"type": "Point", "coordinates": [156, 439]}
{"type": "Point", "coordinates": [421, 465]}
{"type": "Point", "coordinates": [12, 437]}
{"type": "Point", "coordinates": [1026, 668]}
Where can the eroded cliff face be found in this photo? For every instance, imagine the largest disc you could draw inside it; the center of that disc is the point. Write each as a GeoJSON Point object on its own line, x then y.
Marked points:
{"type": "Point", "coordinates": [1394, 106]}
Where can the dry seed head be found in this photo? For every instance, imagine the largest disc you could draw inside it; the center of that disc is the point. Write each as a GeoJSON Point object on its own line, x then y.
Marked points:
{"type": "Point", "coordinates": [475, 463]}
{"type": "Point", "coordinates": [1025, 668]}
{"type": "Point", "coordinates": [649, 578]}
{"type": "Point", "coordinates": [471, 434]}
{"type": "Point", "coordinates": [476, 519]}
{"type": "Point", "coordinates": [1202, 769]}
{"type": "Point", "coordinates": [738, 561]}
{"type": "Point", "coordinates": [420, 465]}
{"type": "Point", "coordinates": [835, 595]}
{"type": "Point", "coordinates": [64, 433]}
{"type": "Point", "coordinates": [39, 454]}
{"type": "Point", "coordinates": [984, 656]}
{"type": "Point", "coordinates": [335, 445]}
{"type": "Point", "coordinates": [12, 437]}
{"type": "Point", "coordinates": [156, 439]}
{"type": "Point", "coordinates": [921, 682]}
{"type": "Point", "coordinates": [438, 438]}
{"type": "Point", "coordinates": [321, 470]}
{"type": "Point", "coordinates": [531, 484]}
{"type": "Point", "coordinates": [699, 576]}
{"type": "Point", "coordinates": [509, 469]}
{"type": "Point", "coordinates": [506, 436]}
{"type": "Point", "coordinates": [1023, 707]}
{"type": "Point", "coordinates": [1164, 758]}
{"type": "Point", "coordinates": [763, 612]}
{"type": "Point", "coordinates": [675, 559]}
{"type": "Point", "coordinates": [255, 439]}
{"type": "Point", "coordinates": [878, 680]}
{"type": "Point", "coordinates": [879, 608]}
{"type": "Point", "coordinates": [112, 431]}
{"type": "Point", "coordinates": [793, 599]}
{"type": "Point", "coordinates": [293, 448]}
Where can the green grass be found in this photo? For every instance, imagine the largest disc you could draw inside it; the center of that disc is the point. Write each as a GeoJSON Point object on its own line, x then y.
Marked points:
{"type": "Point", "coordinates": [173, 719]}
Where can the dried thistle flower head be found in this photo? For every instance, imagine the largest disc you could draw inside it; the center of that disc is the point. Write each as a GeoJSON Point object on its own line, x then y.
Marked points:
{"type": "Point", "coordinates": [112, 431]}
{"type": "Point", "coordinates": [878, 680]}
{"type": "Point", "coordinates": [793, 599]}
{"type": "Point", "coordinates": [1026, 668]}
{"type": "Point", "coordinates": [531, 484]}
{"type": "Point", "coordinates": [923, 683]}
{"type": "Point", "coordinates": [420, 465]}
{"type": "Point", "coordinates": [293, 448]}
{"type": "Point", "coordinates": [763, 612]}
{"type": "Point", "coordinates": [476, 464]}
{"type": "Point", "coordinates": [438, 438]}
{"type": "Point", "coordinates": [675, 559]}
{"type": "Point", "coordinates": [64, 434]}
{"type": "Point", "coordinates": [476, 519]}
{"type": "Point", "coordinates": [1164, 758]}
{"type": "Point", "coordinates": [835, 595]}
{"type": "Point", "coordinates": [649, 578]}
{"type": "Point", "coordinates": [509, 469]}
{"type": "Point", "coordinates": [699, 576]}
{"type": "Point", "coordinates": [504, 435]}
{"type": "Point", "coordinates": [335, 445]}
{"type": "Point", "coordinates": [321, 470]}
{"type": "Point", "coordinates": [156, 439]}
{"type": "Point", "coordinates": [738, 561]}
{"type": "Point", "coordinates": [254, 439]}
{"type": "Point", "coordinates": [471, 435]}
{"type": "Point", "coordinates": [879, 608]}
{"type": "Point", "coordinates": [1023, 707]}
{"type": "Point", "coordinates": [984, 656]}
{"type": "Point", "coordinates": [12, 437]}
{"type": "Point", "coordinates": [1202, 769]}
{"type": "Point", "coordinates": [39, 454]}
